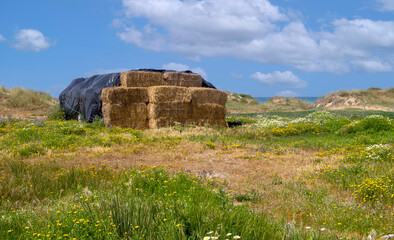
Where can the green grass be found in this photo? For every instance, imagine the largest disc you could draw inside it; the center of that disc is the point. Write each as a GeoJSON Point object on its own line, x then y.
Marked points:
{"type": "Point", "coordinates": [349, 113]}
{"type": "Point", "coordinates": [46, 193]}
{"type": "Point", "coordinates": [145, 203]}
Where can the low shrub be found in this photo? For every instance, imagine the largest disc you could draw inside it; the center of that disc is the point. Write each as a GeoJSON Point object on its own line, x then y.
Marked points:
{"type": "Point", "coordinates": [56, 113]}
{"type": "Point", "coordinates": [370, 123]}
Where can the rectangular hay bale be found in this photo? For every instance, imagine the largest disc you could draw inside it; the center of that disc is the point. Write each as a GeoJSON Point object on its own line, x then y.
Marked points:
{"type": "Point", "coordinates": [163, 94]}
{"type": "Point", "coordinates": [170, 110]}
{"type": "Point", "coordinates": [131, 115]}
{"type": "Point", "coordinates": [141, 79]}
{"type": "Point", "coordinates": [123, 95]}
{"type": "Point", "coordinates": [208, 95]}
{"type": "Point", "coordinates": [182, 79]}
{"type": "Point", "coordinates": [209, 111]}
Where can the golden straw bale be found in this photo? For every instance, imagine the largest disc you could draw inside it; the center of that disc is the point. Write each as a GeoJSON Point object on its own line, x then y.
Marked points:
{"type": "Point", "coordinates": [182, 79]}
{"type": "Point", "coordinates": [170, 110]}
{"type": "Point", "coordinates": [209, 111]}
{"type": "Point", "coordinates": [163, 94]}
{"type": "Point", "coordinates": [132, 115]}
{"type": "Point", "coordinates": [208, 95]}
{"type": "Point", "coordinates": [141, 79]}
{"type": "Point", "coordinates": [123, 95]}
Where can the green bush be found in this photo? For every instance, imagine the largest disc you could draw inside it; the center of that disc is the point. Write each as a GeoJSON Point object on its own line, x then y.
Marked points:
{"type": "Point", "coordinates": [370, 123]}
{"type": "Point", "coordinates": [56, 113]}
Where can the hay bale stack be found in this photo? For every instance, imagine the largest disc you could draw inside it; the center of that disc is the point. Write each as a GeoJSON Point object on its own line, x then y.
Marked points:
{"type": "Point", "coordinates": [167, 94]}
{"type": "Point", "coordinates": [149, 79]}
{"type": "Point", "coordinates": [208, 111]}
{"type": "Point", "coordinates": [153, 99]}
{"type": "Point", "coordinates": [125, 107]}
{"type": "Point", "coordinates": [182, 79]}
{"type": "Point", "coordinates": [124, 95]}
{"type": "Point", "coordinates": [133, 115]}
{"type": "Point", "coordinates": [141, 79]}
{"type": "Point", "coordinates": [208, 95]}
{"type": "Point", "coordinates": [177, 110]}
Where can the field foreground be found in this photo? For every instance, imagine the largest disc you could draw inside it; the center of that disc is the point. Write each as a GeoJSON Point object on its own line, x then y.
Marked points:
{"type": "Point", "coordinates": [306, 175]}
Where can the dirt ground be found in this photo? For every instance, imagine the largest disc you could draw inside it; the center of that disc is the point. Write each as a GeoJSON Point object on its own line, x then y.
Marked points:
{"type": "Point", "coordinates": [239, 169]}
{"type": "Point", "coordinates": [23, 113]}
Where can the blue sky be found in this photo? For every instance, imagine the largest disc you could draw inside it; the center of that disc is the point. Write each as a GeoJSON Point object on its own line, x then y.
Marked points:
{"type": "Point", "coordinates": [258, 47]}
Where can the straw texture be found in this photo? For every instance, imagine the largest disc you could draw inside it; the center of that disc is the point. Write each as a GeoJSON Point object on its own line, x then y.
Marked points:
{"type": "Point", "coordinates": [132, 115]}
{"type": "Point", "coordinates": [208, 95]}
{"type": "Point", "coordinates": [141, 79]}
{"type": "Point", "coordinates": [123, 95]}
{"type": "Point", "coordinates": [182, 79]}
{"type": "Point", "coordinates": [208, 111]}
{"type": "Point", "coordinates": [166, 94]}
{"type": "Point", "coordinates": [170, 110]}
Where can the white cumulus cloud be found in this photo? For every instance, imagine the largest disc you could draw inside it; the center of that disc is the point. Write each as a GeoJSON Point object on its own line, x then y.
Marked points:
{"type": "Point", "coordinates": [183, 67]}
{"type": "Point", "coordinates": [2, 39]}
{"type": "Point", "coordinates": [258, 30]}
{"type": "Point", "coordinates": [386, 5]}
{"type": "Point", "coordinates": [284, 79]}
{"type": "Point", "coordinates": [287, 93]}
{"type": "Point", "coordinates": [31, 40]}
{"type": "Point", "coordinates": [372, 65]}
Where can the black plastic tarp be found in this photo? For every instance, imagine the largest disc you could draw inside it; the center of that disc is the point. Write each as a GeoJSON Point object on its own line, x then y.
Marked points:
{"type": "Point", "coordinates": [82, 97]}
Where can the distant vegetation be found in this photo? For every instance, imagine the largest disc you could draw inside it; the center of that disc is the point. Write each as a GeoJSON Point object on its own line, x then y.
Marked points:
{"type": "Point", "coordinates": [25, 99]}
{"type": "Point", "coordinates": [22, 103]}
{"type": "Point", "coordinates": [370, 99]}
{"type": "Point", "coordinates": [242, 103]}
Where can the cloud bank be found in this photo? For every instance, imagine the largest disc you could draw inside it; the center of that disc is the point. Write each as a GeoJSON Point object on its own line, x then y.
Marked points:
{"type": "Point", "coordinates": [30, 40]}
{"type": "Point", "coordinates": [285, 79]}
{"type": "Point", "coordinates": [260, 31]}
{"type": "Point", "coordinates": [386, 5]}
{"type": "Point", "coordinates": [2, 39]}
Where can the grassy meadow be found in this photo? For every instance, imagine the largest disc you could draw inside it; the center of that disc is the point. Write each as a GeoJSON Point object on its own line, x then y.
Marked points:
{"type": "Point", "coordinates": [284, 175]}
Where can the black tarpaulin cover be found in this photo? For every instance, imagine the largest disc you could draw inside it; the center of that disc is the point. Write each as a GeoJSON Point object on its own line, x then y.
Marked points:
{"type": "Point", "coordinates": [82, 97]}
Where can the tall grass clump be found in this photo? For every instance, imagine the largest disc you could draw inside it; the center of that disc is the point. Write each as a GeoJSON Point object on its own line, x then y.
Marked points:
{"type": "Point", "coordinates": [28, 99]}
{"type": "Point", "coordinates": [146, 203]}
{"type": "Point", "coordinates": [56, 113]}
